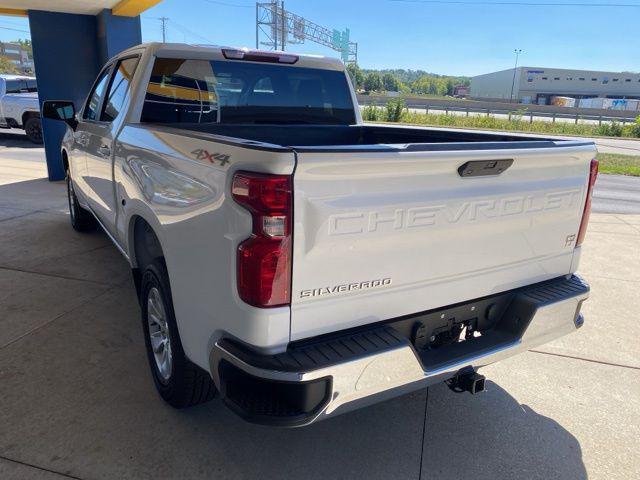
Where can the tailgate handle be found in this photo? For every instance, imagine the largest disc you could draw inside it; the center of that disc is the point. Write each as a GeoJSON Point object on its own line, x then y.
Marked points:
{"type": "Point", "coordinates": [483, 168]}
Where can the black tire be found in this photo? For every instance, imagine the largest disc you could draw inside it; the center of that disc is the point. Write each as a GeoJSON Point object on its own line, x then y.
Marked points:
{"type": "Point", "coordinates": [81, 220]}
{"type": "Point", "coordinates": [33, 129]}
{"type": "Point", "coordinates": [182, 383]}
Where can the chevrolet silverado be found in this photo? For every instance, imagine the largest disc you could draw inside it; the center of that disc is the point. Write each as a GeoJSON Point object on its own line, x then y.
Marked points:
{"type": "Point", "coordinates": [299, 263]}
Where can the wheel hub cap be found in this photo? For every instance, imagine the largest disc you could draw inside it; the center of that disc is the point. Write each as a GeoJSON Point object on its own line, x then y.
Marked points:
{"type": "Point", "coordinates": [159, 334]}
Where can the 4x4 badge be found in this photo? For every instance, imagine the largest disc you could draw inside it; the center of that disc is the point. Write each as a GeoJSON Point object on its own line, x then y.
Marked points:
{"type": "Point", "coordinates": [202, 154]}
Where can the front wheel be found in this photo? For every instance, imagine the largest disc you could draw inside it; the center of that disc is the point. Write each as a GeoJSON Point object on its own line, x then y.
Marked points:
{"type": "Point", "coordinates": [33, 129]}
{"type": "Point", "coordinates": [81, 219]}
{"type": "Point", "coordinates": [180, 383]}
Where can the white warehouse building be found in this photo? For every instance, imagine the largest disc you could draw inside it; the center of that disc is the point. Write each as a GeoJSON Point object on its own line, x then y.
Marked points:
{"type": "Point", "coordinates": [543, 86]}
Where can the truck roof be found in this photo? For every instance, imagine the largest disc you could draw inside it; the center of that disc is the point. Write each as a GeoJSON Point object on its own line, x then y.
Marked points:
{"type": "Point", "coordinates": [215, 52]}
{"type": "Point", "coordinates": [16, 77]}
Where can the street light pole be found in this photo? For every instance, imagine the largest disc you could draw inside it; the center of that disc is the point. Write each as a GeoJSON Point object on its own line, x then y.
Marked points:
{"type": "Point", "coordinates": [517, 51]}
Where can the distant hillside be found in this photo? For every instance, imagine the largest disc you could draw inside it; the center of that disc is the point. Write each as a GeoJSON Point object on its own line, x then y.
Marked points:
{"type": "Point", "coordinates": [410, 76]}
{"type": "Point", "coordinates": [408, 81]}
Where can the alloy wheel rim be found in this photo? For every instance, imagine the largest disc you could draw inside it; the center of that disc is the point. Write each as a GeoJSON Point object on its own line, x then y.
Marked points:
{"type": "Point", "coordinates": [72, 199]}
{"type": "Point", "coordinates": [159, 334]}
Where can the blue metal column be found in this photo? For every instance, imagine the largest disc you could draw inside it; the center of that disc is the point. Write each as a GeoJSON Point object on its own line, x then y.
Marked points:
{"type": "Point", "coordinates": [116, 34]}
{"type": "Point", "coordinates": [68, 52]}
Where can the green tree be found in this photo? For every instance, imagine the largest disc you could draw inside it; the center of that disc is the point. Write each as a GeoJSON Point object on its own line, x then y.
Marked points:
{"type": "Point", "coordinates": [7, 66]}
{"type": "Point", "coordinates": [450, 85]}
{"type": "Point", "coordinates": [390, 82]}
{"type": "Point", "coordinates": [431, 85]}
{"type": "Point", "coordinates": [357, 76]}
{"type": "Point", "coordinates": [26, 44]}
{"type": "Point", "coordinates": [373, 82]}
{"type": "Point", "coordinates": [404, 88]}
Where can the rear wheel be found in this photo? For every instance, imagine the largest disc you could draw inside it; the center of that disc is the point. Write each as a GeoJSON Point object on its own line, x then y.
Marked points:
{"type": "Point", "coordinates": [33, 129]}
{"type": "Point", "coordinates": [179, 382]}
{"type": "Point", "coordinates": [81, 219]}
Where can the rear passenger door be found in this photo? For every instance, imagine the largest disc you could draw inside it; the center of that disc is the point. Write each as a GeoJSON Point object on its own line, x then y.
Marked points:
{"type": "Point", "coordinates": [101, 135]}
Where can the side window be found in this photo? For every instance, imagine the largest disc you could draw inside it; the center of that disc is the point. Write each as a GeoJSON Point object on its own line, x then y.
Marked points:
{"type": "Point", "coordinates": [118, 89]}
{"type": "Point", "coordinates": [181, 91]}
{"type": "Point", "coordinates": [14, 86]}
{"type": "Point", "coordinates": [91, 109]}
{"type": "Point", "coordinates": [32, 86]}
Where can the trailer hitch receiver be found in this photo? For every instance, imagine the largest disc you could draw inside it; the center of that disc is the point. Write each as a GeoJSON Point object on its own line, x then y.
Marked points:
{"type": "Point", "coordinates": [467, 381]}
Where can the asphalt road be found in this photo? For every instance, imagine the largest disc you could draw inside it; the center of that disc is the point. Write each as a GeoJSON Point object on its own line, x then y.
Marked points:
{"type": "Point", "coordinates": [506, 116]}
{"type": "Point", "coordinates": [616, 194]}
{"type": "Point", "coordinates": [613, 193]}
{"type": "Point", "coordinates": [621, 146]}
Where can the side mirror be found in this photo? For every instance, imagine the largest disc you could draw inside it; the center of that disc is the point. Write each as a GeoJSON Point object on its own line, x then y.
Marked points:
{"type": "Point", "coordinates": [60, 110]}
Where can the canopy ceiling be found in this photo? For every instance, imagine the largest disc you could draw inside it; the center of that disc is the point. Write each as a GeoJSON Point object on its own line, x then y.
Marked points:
{"type": "Point", "coordinates": [128, 8]}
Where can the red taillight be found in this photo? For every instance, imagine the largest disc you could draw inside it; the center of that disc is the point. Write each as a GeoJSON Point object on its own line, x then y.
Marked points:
{"type": "Point", "coordinates": [264, 260]}
{"type": "Point", "coordinates": [593, 174]}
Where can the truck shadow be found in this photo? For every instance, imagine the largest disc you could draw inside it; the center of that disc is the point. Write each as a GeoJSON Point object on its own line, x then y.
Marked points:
{"type": "Point", "coordinates": [490, 436]}
{"type": "Point", "coordinates": [493, 436]}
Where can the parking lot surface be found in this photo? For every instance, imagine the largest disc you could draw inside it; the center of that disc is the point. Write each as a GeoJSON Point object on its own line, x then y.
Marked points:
{"type": "Point", "coordinates": [78, 402]}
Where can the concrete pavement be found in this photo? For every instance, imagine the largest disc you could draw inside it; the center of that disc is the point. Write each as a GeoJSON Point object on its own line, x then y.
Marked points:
{"type": "Point", "coordinates": [78, 402]}
{"type": "Point", "coordinates": [27, 159]}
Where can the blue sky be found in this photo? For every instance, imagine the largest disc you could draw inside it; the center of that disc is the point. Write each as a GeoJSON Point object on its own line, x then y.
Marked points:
{"type": "Point", "coordinates": [442, 38]}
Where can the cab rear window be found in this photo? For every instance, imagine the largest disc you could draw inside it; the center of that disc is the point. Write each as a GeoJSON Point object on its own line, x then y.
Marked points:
{"type": "Point", "coordinates": [202, 91]}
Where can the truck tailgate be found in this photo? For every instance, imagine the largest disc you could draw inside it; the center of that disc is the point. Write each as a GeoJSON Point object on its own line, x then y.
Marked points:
{"type": "Point", "coordinates": [382, 234]}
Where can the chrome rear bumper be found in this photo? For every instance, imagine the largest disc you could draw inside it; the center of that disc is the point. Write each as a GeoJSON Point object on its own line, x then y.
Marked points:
{"type": "Point", "coordinates": [339, 374]}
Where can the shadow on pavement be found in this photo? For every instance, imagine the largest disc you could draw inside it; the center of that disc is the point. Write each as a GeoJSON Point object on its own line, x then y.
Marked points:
{"type": "Point", "coordinates": [16, 139]}
{"type": "Point", "coordinates": [493, 436]}
{"type": "Point", "coordinates": [33, 194]}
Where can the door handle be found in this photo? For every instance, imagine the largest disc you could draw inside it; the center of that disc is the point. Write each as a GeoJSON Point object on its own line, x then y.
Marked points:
{"type": "Point", "coordinates": [104, 150]}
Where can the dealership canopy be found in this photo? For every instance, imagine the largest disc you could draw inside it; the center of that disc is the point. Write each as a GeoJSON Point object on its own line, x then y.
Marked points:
{"type": "Point", "coordinates": [127, 8]}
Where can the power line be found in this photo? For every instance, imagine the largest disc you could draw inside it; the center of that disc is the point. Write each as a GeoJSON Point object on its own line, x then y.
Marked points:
{"type": "Point", "coordinates": [16, 30]}
{"type": "Point", "coordinates": [13, 24]}
{"type": "Point", "coordinates": [190, 32]}
{"type": "Point", "coordinates": [522, 4]}
{"type": "Point", "coordinates": [166, 22]}
{"type": "Point", "coordinates": [226, 4]}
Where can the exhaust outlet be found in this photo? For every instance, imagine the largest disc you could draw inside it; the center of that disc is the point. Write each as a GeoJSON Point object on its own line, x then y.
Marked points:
{"type": "Point", "coordinates": [471, 382]}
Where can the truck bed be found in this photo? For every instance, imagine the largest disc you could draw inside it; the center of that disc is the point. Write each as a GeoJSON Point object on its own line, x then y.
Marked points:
{"type": "Point", "coordinates": [368, 137]}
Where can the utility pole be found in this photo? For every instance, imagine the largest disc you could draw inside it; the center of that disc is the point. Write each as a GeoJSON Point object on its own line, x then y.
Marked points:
{"type": "Point", "coordinates": [283, 14]}
{"type": "Point", "coordinates": [163, 21]}
{"type": "Point", "coordinates": [517, 51]}
{"type": "Point", "coordinates": [275, 24]}
{"type": "Point", "coordinates": [257, 24]}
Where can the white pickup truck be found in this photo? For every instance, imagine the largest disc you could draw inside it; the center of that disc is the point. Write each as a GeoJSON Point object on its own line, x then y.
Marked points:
{"type": "Point", "coordinates": [300, 263]}
{"type": "Point", "coordinates": [19, 105]}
